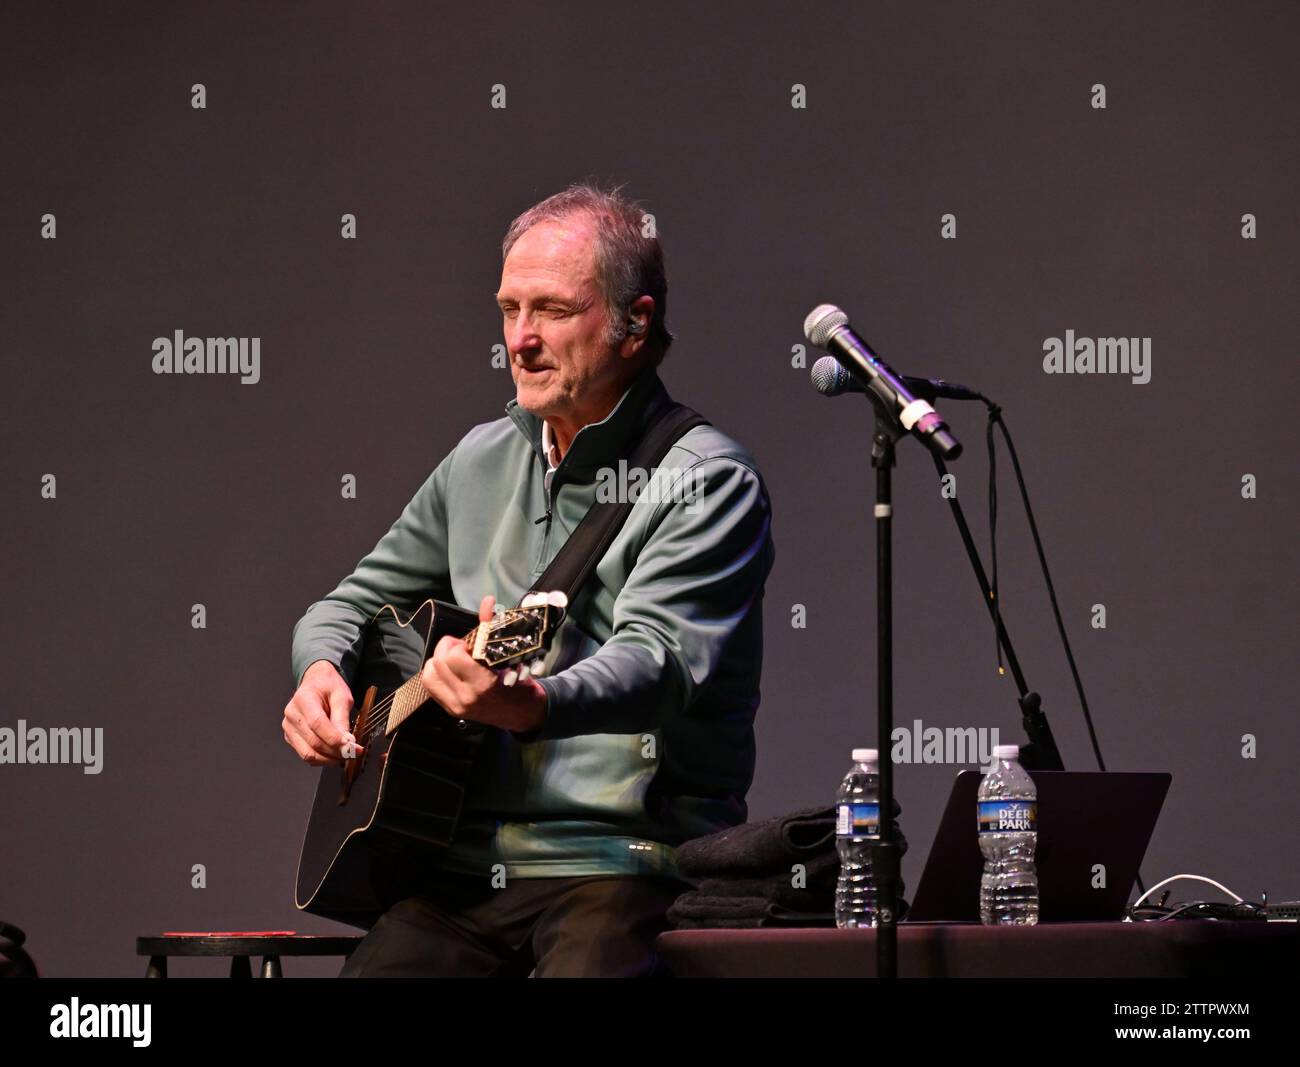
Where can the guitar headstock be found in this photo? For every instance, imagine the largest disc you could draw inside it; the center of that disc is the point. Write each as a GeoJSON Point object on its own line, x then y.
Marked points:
{"type": "Point", "coordinates": [517, 639]}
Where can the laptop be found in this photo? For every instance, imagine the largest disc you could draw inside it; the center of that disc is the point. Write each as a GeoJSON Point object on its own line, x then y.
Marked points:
{"type": "Point", "coordinates": [1085, 819]}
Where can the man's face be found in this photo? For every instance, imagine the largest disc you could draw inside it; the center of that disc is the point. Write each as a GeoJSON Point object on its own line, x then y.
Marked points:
{"type": "Point", "coordinates": [555, 323]}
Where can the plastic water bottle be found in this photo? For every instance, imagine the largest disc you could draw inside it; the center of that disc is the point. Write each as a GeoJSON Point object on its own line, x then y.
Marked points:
{"type": "Point", "coordinates": [857, 828]}
{"type": "Point", "coordinates": [1008, 830]}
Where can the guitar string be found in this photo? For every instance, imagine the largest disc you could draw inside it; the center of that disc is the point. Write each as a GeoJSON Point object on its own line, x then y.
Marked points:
{"type": "Point", "coordinates": [383, 707]}
{"type": "Point", "coordinates": [380, 721]}
{"type": "Point", "coordinates": [380, 710]}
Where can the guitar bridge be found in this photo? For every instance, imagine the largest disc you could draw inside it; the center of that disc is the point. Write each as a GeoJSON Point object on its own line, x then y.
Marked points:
{"type": "Point", "coordinates": [353, 767]}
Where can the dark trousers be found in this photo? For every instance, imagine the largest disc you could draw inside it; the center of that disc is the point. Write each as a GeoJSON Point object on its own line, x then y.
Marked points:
{"type": "Point", "coordinates": [602, 926]}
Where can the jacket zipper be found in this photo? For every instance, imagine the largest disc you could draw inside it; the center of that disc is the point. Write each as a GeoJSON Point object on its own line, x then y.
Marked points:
{"type": "Point", "coordinates": [547, 482]}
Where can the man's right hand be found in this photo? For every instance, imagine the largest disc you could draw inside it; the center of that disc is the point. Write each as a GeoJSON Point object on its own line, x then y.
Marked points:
{"type": "Point", "coordinates": [317, 719]}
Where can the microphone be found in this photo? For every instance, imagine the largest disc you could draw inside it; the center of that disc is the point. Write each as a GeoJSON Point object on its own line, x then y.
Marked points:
{"type": "Point", "coordinates": [830, 379]}
{"type": "Point", "coordinates": [828, 327]}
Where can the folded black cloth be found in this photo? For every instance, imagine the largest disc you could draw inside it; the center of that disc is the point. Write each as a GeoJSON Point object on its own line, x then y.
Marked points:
{"type": "Point", "coordinates": [766, 848]}
{"type": "Point", "coordinates": [779, 890]}
{"type": "Point", "coordinates": [762, 848]}
{"type": "Point", "coordinates": [745, 876]}
{"type": "Point", "coordinates": [696, 911]}
{"type": "Point", "coordinates": [815, 883]}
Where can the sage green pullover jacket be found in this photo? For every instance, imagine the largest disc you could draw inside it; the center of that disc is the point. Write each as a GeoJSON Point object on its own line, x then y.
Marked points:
{"type": "Point", "coordinates": [652, 683]}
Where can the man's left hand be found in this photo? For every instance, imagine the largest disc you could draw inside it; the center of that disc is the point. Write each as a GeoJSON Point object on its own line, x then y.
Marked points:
{"type": "Point", "coordinates": [468, 690]}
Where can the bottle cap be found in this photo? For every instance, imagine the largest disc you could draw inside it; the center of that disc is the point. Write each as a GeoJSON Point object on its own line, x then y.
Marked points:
{"type": "Point", "coordinates": [866, 755]}
{"type": "Point", "coordinates": [1006, 751]}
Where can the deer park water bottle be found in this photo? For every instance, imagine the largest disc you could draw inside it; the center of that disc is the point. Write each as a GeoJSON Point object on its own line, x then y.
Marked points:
{"type": "Point", "coordinates": [857, 828]}
{"type": "Point", "coordinates": [1008, 832]}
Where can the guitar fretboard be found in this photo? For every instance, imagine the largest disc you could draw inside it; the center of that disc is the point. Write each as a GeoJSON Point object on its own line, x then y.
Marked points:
{"type": "Point", "coordinates": [409, 696]}
{"type": "Point", "coordinates": [510, 637]}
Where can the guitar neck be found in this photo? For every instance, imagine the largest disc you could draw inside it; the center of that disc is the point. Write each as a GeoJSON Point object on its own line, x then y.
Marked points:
{"type": "Point", "coordinates": [518, 633]}
{"type": "Point", "coordinates": [406, 700]}
{"type": "Point", "coordinates": [411, 695]}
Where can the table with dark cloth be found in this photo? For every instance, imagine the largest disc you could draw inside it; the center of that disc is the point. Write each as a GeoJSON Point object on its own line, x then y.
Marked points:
{"type": "Point", "coordinates": [1181, 948]}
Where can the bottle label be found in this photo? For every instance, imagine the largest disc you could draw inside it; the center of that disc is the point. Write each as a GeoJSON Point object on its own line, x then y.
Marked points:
{"type": "Point", "coordinates": [858, 820]}
{"type": "Point", "coordinates": [1008, 816]}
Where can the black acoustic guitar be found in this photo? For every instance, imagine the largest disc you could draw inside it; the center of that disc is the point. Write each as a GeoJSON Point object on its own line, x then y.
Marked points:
{"type": "Point", "coordinates": [381, 819]}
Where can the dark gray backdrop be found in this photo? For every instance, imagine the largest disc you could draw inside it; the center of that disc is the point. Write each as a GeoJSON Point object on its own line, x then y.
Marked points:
{"type": "Point", "coordinates": [177, 490]}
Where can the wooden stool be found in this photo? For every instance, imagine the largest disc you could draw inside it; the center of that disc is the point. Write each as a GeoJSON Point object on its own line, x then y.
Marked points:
{"type": "Point", "coordinates": [240, 947]}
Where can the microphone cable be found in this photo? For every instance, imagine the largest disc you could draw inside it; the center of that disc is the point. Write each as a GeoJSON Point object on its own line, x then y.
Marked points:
{"type": "Point", "coordinates": [995, 419]}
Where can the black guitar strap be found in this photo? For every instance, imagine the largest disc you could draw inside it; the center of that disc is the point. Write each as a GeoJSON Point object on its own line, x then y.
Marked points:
{"type": "Point", "coordinates": [592, 536]}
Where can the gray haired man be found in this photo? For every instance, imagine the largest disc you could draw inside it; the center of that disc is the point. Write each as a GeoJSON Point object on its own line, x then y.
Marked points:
{"type": "Point", "coordinates": [563, 861]}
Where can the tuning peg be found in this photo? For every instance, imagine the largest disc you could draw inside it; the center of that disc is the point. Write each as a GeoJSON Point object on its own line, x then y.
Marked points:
{"type": "Point", "coordinates": [510, 677]}
{"type": "Point", "coordinates": [556, 598]}
{"type": "Point", "coordinates": [533, 600]}
{"type": "Point", "coordinates": [538, 667]}
{"type": "Point", "coordinates": [524, 671]}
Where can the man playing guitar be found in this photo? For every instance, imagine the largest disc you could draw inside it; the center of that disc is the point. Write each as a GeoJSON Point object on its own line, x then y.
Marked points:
{"type": "Point", "coordinates": [639, 735]}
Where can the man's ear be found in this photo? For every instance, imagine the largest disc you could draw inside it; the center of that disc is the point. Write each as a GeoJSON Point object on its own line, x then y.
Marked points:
{"type": "Point", "coordinates": [637, 325]}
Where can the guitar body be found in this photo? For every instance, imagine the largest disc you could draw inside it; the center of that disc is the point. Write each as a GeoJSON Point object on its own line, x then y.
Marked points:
{"type": "Point", "coordinates": [381, 820]}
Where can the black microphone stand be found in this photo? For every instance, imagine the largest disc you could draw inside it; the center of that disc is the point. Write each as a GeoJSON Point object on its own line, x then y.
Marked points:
{"type": "Point", "coordinates": [1041, 754]}
{"type": "Point", "coordinates": [885, 859]}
